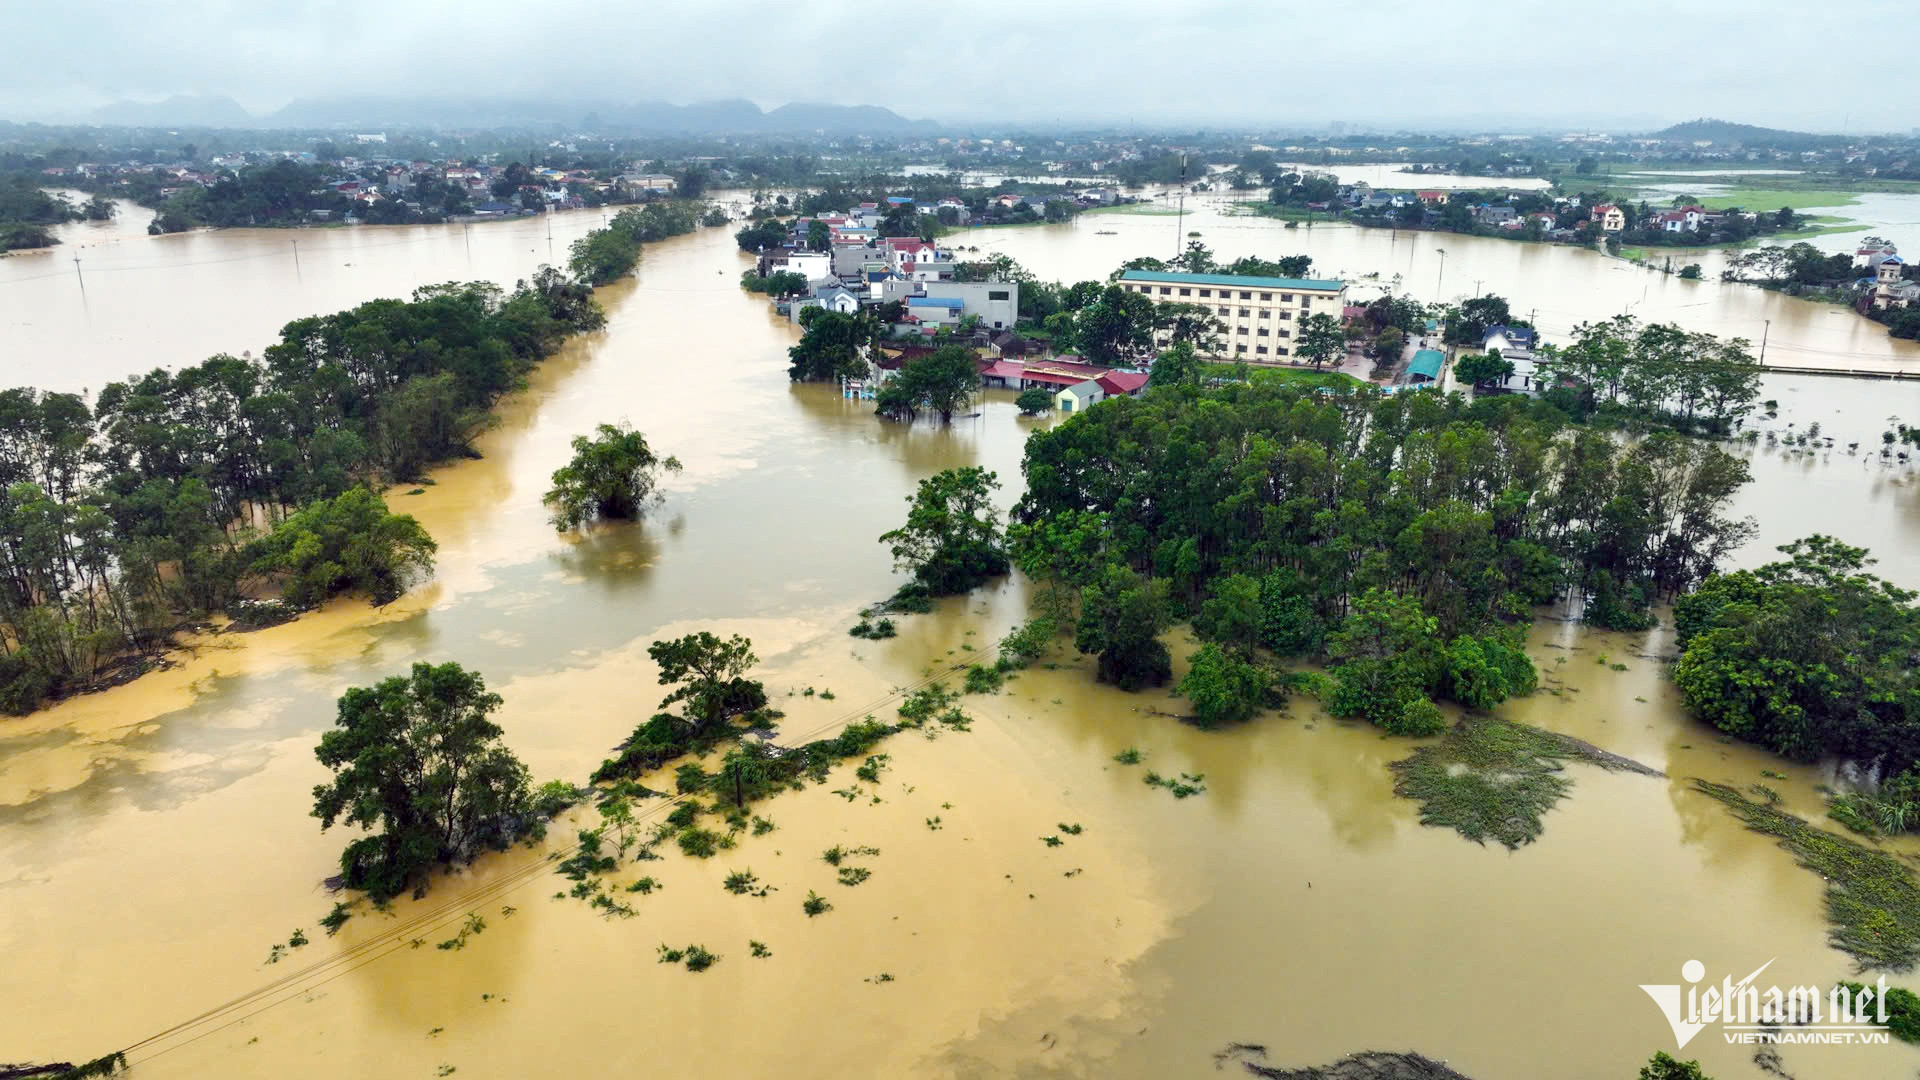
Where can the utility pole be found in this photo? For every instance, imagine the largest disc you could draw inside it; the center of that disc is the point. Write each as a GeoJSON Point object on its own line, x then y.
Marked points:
{"type": "Point", "coordinates": [466, 230]}
{"type": "Point", "coordinates": [1441, 276]}
{"type": "Point", "coordinates": [296, 258]}
{"type": "Point", "coordinates": [1179, 227]}
{"type": "Point", "coordinates": [78, 274]}
{"type": "Point", "coordinates": [1764, 331]}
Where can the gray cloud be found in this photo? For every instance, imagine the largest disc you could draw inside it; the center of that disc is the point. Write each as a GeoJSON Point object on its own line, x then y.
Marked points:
{"type": "Point", "coordinates": [1635, 63]}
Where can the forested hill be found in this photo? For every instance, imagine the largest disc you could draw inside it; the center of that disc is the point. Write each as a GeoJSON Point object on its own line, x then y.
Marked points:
{"type": "Point", "coordinates": [1727, 133]}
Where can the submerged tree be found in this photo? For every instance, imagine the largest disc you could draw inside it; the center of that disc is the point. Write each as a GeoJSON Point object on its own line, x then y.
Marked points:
{"type": "Point", "coordinates": [1808, 656]}
{"type": "Point", "coordinates": [1223, 688]}
{"type": "Point", "coordinates": [612, 476]}
{"type": "Point", "coordinates": [1121, 617]}
{"type": "Point", "coordinates": [943, 381]}
{"type": "Point", "coordinates": [418, 757]}
{"type": "Point", "coordinates": [344, 544]}
{"type": "Point", "coordinates": [951, 541]}
{"type": "Point", "coordinates": [709, 672]}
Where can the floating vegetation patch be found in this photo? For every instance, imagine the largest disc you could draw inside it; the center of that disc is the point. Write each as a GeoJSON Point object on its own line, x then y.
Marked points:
{"type": "Point", "coordinates": [644, 886]}
{"type": "Point", "coordinates": [1072, 830]}
{"type": "Point", "coordinates": [1367, 1065]}
{"type": "Point", "coordinates": [703, 843]}
{"type": "Point", "coordinates": [1491, 779]}
{"type": "Point", "coordinates": [815, 904]}
{"type": "Point", "coordinates": [695, 957]}
{"type": "Point", "coordinates": [984, 680]}
{"type": "Point", "coordinates": [759, 950]}
{"type": "Point", "coordinates": [1187, 785]}
{"type": "Point", "coordinates": [474, 925]}
{"type": "Point", "coordinates": [337, 918]}
{"type": "Point", "coordinates": [876, 630]}
{"type": "Point", "coordinates": [1873, 899]}
{"type": "Point", "coordinates": [933, 703]}
{"type": "Point", "coordinates": [745, 883]}
{"type": "Point", "coordinates": [838, 854]}
{"type": "Point", "coordinates": [854, 875]}
{"type": "Point", "coordinates": [1130, 756]}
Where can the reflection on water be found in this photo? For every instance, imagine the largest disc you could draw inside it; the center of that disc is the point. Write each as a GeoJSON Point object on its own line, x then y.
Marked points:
{"type": "Point", "coordinates": [159, 832]}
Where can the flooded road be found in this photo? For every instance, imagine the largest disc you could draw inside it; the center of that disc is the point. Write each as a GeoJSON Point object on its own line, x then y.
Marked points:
{"type": "Point", "coordinates": [155, 843]}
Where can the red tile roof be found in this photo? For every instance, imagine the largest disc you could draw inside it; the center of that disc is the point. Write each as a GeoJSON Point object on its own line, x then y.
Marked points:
{"type": "Point", "coordinates": [1122, 382]}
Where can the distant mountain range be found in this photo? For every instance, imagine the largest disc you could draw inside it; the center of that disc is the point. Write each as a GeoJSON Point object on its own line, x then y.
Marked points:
{"type": "Point", "coordinates": [376, 113]}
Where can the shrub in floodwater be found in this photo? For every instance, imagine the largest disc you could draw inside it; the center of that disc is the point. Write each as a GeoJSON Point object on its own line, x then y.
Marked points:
{"type": "Point", "coordinates": [644, 886]}
{"type": "Point", "coordinates": [759, 949]}
{"type": "Point", "coordinates": [1052, 841]}
{"type": "Point", "coordinates": [298, 939]}
{"type": "Point", "coordinates": [1129, 756]}
{"type": "Point", "coordinates": [854, 875]}
{"type": "Point", "coordinates": [702, 843]}
{"type": "Point", "coordinates": [914, 597]}
{"type": "Point", "coordinates": [762, 826]}
{"type": "Point", "coordinates": [689, 778]}
{"type": "Point", "coordinates": [553, 797]}
{"type": "Point", "coordinates": [870, 769]}
{"type": "Point", "coordinates": [1072, 830]}
{"type": "Point", "coordinates": [1028, 642]}
{"type": "Point", "coordinates": [815, 904]}
{"type": "Point", "coordinates": [684, 814]}
{"type": "Point", "coordinates": [933, 823]}
{"type": "Point", "coordinates": [613, 908]}
{"type": "Point", "coordinates": [336, 918]}
{"type": "Point", "coordinates": [1902, 1007]}
{"type": "Point", "coordinates": [983, 680]}
{"type": "Point", "coordinates": [474, 925]}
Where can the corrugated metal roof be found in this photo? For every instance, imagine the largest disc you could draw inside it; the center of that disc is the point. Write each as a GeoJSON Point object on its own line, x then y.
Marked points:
{"type": "Point", "coordinates": [1427, 362]}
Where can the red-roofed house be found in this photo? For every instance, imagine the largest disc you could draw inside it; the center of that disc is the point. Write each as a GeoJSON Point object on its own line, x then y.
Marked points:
{"type": "Point", "coordinates": [1122, 383]}
{"type": "Point", "coordinates": [1437, 198]}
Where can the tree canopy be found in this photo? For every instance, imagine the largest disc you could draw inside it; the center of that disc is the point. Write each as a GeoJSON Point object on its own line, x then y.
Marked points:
{"type": "Point", "coordinates": [943, 381]}
{"type": "Point", "coordinates": [1807, 656]}
{"type": "Point", "coordinates": [419, 758]}
{"type": "Point", "coordinates": [611, 477]}
{"type": "Point", "coordinates": [833, 346]}
{"type": "Point", "coordinates": [951, 541]}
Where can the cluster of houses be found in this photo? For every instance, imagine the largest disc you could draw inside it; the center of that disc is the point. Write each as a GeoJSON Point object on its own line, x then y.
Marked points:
{"type": "Point", "coordinates": [859, 267]}
{"type": "Point", "coordinates": [367, 181]}
{"type": "Point", "coordinates": [1568, 220]}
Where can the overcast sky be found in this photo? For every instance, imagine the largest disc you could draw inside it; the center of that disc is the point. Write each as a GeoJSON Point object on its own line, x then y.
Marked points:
{"type": "Point", "coordinates": [1378, 63]}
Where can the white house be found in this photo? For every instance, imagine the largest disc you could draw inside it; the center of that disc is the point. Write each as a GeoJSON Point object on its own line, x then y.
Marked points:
{"type": "Point", "coordinates": [1079, 397]}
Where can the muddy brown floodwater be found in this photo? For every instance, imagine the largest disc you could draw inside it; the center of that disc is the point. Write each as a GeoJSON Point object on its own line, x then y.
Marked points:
{"type": "Point", "coordinates": [155, 843]}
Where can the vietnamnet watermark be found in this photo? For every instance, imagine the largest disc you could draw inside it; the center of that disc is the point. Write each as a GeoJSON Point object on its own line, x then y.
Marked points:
{"type": "Point", "coordinates": [1748, 1014]}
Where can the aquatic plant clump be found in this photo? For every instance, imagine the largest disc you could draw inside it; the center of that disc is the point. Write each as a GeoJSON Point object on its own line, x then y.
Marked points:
{"type": "Point", "coordinates": [1873, 899]}
{"type": "Point", "coordinates": [1488, 778]}
{"type": "Point", "coordinates": [1366, 1065]}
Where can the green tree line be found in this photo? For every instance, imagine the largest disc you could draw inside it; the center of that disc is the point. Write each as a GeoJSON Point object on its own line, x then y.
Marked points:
{"type": "Point", "coordinates": [178, 493]}
{"type": "Point", "coordinates": [1402, 538]}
